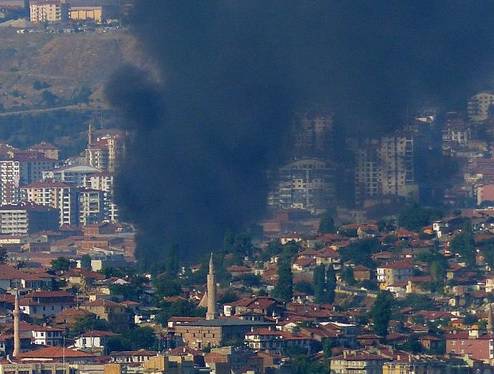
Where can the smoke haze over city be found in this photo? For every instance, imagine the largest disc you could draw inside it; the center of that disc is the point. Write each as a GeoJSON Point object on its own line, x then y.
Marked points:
{"type": "Point", "coordinates": [233, 73]}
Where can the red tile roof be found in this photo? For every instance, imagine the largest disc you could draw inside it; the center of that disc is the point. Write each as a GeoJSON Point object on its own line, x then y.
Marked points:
{"type": "Point", "coordinates": [54, 353]}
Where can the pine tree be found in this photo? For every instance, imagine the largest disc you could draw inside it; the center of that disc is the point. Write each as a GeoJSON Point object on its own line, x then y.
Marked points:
{"type": "Point", "coordinates": [381, 313]}
{"type": "Point", "coordinates": [320, 284]}
{"type": "Point", "coordinates": [326, 224]}
{"type": "Point", "coordinates": [284, 287]}
{"type": "Point", "coordinates": [330, 284]}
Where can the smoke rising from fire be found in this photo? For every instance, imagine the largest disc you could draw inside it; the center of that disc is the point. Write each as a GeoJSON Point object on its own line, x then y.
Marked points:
{"type": "Point", "coordinates": [232, 73]}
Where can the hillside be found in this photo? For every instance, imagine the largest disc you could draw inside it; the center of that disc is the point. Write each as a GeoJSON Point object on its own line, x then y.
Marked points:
{"type": "Point", "coordinates": [43, 70]}
{"type": "Point", "coordinates": [51, 84]}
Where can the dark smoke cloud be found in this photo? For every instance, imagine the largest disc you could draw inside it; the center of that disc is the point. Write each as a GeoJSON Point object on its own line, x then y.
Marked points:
{"type": "Point", "coordinates": [233, 72]}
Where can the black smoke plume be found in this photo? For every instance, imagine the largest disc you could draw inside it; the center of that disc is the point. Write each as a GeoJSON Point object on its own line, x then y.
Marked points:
{"type": "Point", "coordinates": [232, 73]}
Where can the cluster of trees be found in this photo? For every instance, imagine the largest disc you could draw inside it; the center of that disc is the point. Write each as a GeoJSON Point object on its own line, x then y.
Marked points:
{"type": "Point", "coordinates": [131, 338]}
{"type": "Point", "coordinates": [381, 313]}
{"type": "Point", "coordinates": [324, 284]}
{"type": "Point", "coordinates": [463, 244]}
{"type": "Point", "coordinates": [415, 217]}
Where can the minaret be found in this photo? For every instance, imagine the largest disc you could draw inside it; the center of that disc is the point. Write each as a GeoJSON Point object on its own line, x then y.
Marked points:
{"type": "Point", "coordinates": [211, 314]}
{"type": "Point", "coordinates": [17, 338]}
{"type": "Point", "coordinates": [490, 324]}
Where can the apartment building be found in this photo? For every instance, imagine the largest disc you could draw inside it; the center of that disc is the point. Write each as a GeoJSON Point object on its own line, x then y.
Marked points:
{"type": "Point", "coordinates": [24, 219]}
{"type": "Point", "coordinates": [104, 152]}
{"type": "Point", "coordinates": [32, 165]}
{"type": "Point", "coordinates": [104, 182]}
{"type": "Point", "coordinates": [76, 174]}
{"type": "Point", "coordinates": [10, 176]}
{"type": "Point", "coordinates": [91, 206]}
{"type": "Point", "coordinates": [41, 11]}
{"type": "Point", "coordinates": [55, 194]}
{"type": "Point", "coordinates": [313, 135]}
{"type": "Point", "coordinates": [304, 184]}
{"type": "Point", "coordinates": [479, 105]}
{"type": "Point", "coordinates": [385, 167]}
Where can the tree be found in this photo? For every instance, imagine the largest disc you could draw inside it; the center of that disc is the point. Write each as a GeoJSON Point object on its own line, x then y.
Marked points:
{"type": "Point", "coordinates": [381, 313]}
{"type": "Point", "coordinates": [86, 262]}
{"type": "Point", "coordinates": [4, 256]}
{"type": "Point", "coordinates": [61, 264]}
{"type": "Point", "coordinates": [172, 263]}
{"type": "Point", "coordinates": [416, 217]}
{"type": "Point", "coordinates": [181, 308]}
{"type": "Point", "coordinates": [324, 284]}
{"type": "Point", "coordinates": [320, 284]}
{"type": "Point", "coordinates": [274, 248]}
{"type": "Point", "coordinates": [488, 253]}
{"type": "Point", "coordinates": [290, 250]}
{"type": "Point", "coordinates": [166, 286]}
{"type": "Point", "coordinates": [88, 323]}
{"type": "Point", "coordinates": [464, 244]}
{"type": "Point", "coordinates": [49, 98]}
{"type": "Point", "coordinates": [304, 287]}
{"type": "Point", "coordinates": [347, 276]}
{"type": "Point", "coordinates": [360, 252]}
{"type": "Point", "coordinates": [284, 286]}
{"type": "Point", "coordinates": [117, 344]}
{"type": "Point", "coordinates": [330, 284]}
{"type": "Point", "coordinates": [326, 224]}
{"type": "Point", "coordinates": [142, 338]}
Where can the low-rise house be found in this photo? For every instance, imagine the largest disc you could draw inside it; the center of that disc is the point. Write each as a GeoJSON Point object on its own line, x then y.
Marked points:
{"type": "Point", "coordinates": [93, 341]}
{"type": "Point", "coordinates": [108, 310]}
{"type": "Point", "coordinates": [362, 273]}
{"type": "Point", "coordinates": [56, 354]}
{"type": "Point", "coordinates": [266, 306]}
{"type": "Point", "coordinates": [268, 339]}
{"type": "Point", "coordinates": [476, 347]}
{"type": "Point", "coordinates": [357, 362]}
{"type": "Point", "coordinates": [43, 304]}
{"type": "Point", "coordinates": [393, 273]}
{"type": "Point", "coordinates": [132, 357]}
{"type": "Point", "coordinates": [48, 336]}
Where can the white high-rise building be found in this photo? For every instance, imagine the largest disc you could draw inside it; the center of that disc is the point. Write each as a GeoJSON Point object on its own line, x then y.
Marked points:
{"type": "Point", "coordinates": [10, 176]}
{"type": "Point", "coordinates": [59, 195]}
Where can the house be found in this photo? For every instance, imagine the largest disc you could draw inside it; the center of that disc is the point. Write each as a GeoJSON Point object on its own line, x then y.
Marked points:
{"type": "Point", "coordinates": [69, 317]}
{"type": "Point", "coordinates": [394, 273]}
{"type": "Point", "coordinates": [110, 311]}
{"type": "Point", "coordinates": [42, 304]}
{"type": "Point", "coordinates": [261, 304]}
{"type": "Point", "coordinates": [430, 342]}
{"type": "Point", "coordinates": [56, 354]}
{"type": "Point", "coordinates": [465, 344]}
{"type": "Point", "coordinates": [133, 357]}
{"type": "Point", "coordinates": [362, 273]}
{"type": "Point", "coordinates": [92, 341]}
{"type": "Point", "coordinates": [269, 339]}
{"type": "Point", "coordinates": [353, 362]}
{"type": "Point", "coordinates": [10, 278]}
{"type": "Point", "coordinates": [48, 336]}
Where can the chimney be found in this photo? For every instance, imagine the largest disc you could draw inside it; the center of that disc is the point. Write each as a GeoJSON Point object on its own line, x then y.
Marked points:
{"type": "Point", "coordinates": [17, 338]}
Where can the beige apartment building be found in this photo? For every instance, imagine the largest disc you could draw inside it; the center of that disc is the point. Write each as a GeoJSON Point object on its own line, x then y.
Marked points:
{"type": "Point", "coordinates": [48, 11]}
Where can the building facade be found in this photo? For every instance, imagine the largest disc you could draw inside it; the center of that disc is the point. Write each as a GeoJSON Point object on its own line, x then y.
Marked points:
{"type": "Point", "coordinates": [304, 184]}
{"type": "Point", "coordinates": [41, 11]}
